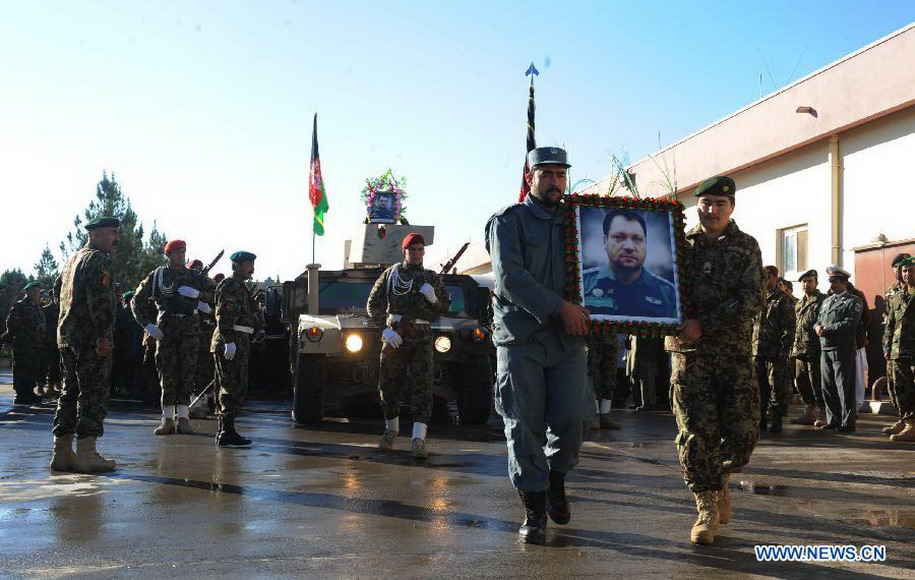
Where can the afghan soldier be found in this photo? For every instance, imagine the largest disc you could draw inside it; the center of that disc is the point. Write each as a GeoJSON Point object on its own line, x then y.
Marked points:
{"type": "Point", "coordinates": [896, 288]}
{"type": "Point", "coordinates": [806, 352]}
{"type": "Point", "coordinates": [51, 364]}
{"type": "Point", "coordinates": [206, 371]}
{"type": "Point", "coordinates": [176, 292]}
{"type": "Point", "coordinates": [405, 299]}
{"type": "Point", "coordinates": [773, 335]}
{"type": "Point", "coordinates": [836, 325]}
{"type": "Point", "coordinates": [85, 335]}
{"type": "Point", "coordinates": [899, 346]}
{"type": "Point", "coordinates": [231, 346]}
{"type": "Point", "coordinates": [25, 328]}
{"type": "Point", "coordinates": [603, 352]}
{"type": "Point", "coordinates": [715, 394]}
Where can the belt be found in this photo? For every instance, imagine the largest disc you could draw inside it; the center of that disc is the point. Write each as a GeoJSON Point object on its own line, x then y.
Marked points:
{"type": "Point", "coordinates": [245, 329]}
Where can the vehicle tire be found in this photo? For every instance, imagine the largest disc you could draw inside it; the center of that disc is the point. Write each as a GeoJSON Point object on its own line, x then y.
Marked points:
{"type": "Point", "coordinates": [308, 389]}
{"type": "Point", "coordinates": [475, 397]}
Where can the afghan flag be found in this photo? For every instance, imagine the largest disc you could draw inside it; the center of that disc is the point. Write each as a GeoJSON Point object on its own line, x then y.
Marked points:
{"type": "Point", "coordinates": [316, 193]}
{"type": "Point", "coordinates": [531, 142]}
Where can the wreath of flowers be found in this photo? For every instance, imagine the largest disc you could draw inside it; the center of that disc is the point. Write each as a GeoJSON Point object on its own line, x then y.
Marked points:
{"type": "Point", "coordinates": [386, 183]}
{"type": "Point", "coordinates": [573, 288]}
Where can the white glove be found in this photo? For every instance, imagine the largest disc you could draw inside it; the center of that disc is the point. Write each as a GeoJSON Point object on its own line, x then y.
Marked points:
{"type": "Point", "coordinates": [429, 292]}
{"type": "Point", "coordinates": [153, 331]}
{"type": "Point", "coordinates": [204, 307]}
{"type": "Point", "coordinates": [390, 336]}
{"type": "Point", "coordinates": [188, 291]}
{"type": "Point", "coordinates": [230, 350]}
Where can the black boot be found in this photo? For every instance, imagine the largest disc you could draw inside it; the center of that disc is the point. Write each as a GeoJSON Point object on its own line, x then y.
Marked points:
{"type": "Point", "coordinates": [533, 530]}
{"type": "Point", "coordinates": [776, 426]}
{"type": "Point", "coordinates": [557, 505]}
{"type": "Point", "coordinates": [228, 436]}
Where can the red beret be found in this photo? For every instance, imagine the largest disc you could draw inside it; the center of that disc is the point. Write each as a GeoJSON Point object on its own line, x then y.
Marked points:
{"type": "Point", "coordinates": [195, 264]}
{"type": "Point", "coordinates": [175, 245]}
{"type": "Point", "coordinates": [771, 270]}
{"type": "Point", "coordinates": [412, 238]}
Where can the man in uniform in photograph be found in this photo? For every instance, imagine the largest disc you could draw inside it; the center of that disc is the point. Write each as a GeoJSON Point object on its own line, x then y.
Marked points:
{"type": "Point", "coordinates": [836, 326]}
{"type": "Point", "coordinates": [898, 286]}
{"type": "Point", "coordinates": [806, 352]}
{"type": "Point", "coordinates": [541, 382]}
{"type": "Point", "coordinates": [177, 294]}
{"type": "Point", "coordinates": [899, 347]}
{"type": "Point", "coordinates": [25, 328]}
{"type": "Point", "coordinates": [404, 301]}
{"type": "Point", "coordinates": [624, 287]}
{"type": "Point", "coordinates": [236, 323]}
{"type": "Point", "coordinates": [85, 336]}
{"type": "Point", "coordinates": [773, 337]}
{"type": "Point", "coordinates": [715, 396]}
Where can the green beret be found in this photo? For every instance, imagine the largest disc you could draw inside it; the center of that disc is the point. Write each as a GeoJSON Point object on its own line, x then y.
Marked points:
{"type": "Point", "coordinates": [127, 295]}
{"type": "Point", "coordinates": [808, 274]}
{"type": "Point", "coordinates": [900, 257]}
{"type": "Point", "coordinates": [103, 222]}
{"type": "Point", "coordinates": [31, 285]}
{"type": "Point", "coordinates": [910, 261]}
{"type": "Point", "coordinates": [719, 185]}
{"type": "Point", "coordinates": [242, 256]}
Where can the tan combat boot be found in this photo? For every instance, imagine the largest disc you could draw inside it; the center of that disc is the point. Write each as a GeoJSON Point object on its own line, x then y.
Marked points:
{"type": "Point", "coordinates": [62, 455]}
{"type": "Point", "coordinates": [706, 526]}
{"type": "Point", "coordinates": [808, 417]}
{"type": "Point", "coordinates": [419, 450]}
{"type": "Point", "coordinates": [183, 427]}
{"type": "Point", "coordinates": [907, 434]}
{"type": "Point", "coordinates": [821, 418]}
{"type": "Point", "coordinates": [724, 500]}
{"type": "Point", "coordinates": [166, 427]}
{"type": "Point", "coordinates": [88, 460]}
{"type": "Point", "coordinates": [896, 427]}
{"type": "Point", "coordinates": [387, 440]}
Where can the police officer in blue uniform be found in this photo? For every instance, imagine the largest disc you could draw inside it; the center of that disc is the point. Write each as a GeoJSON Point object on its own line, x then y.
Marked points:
{"type": "Point", "coordinates": [540, 339]}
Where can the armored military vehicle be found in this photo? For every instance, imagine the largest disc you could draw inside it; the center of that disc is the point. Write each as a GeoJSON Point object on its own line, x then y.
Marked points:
{"type": "Point", "coordinates": [335, 346]}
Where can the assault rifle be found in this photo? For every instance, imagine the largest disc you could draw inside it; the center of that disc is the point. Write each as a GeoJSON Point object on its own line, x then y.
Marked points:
{"type": "Point", "coordinates": [410, 312]}
{"type": "Point", "coordinates": [206, 270]}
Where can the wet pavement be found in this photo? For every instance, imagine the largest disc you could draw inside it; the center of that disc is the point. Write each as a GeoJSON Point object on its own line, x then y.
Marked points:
{"type": "Point", "coordinates": [324, 502]}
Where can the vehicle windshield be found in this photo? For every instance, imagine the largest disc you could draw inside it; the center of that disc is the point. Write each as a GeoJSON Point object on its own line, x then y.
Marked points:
{"type": "Point", "coordinates": [336, 296]}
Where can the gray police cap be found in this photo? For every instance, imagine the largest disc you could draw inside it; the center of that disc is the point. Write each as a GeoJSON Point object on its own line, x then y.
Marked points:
{"type": "Point", "coordinates": [547, 155]}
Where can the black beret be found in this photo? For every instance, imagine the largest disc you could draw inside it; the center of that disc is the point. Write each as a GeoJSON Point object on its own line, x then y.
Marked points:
{"type": "Point", "coordinates": [897, 261]}
{"type": "Point", "coordinates": [547, 155]}
{"type": "Point", "coordinates": [242, 256]}
{"type": "Point", "coordinates": [102, 222]}
{"type": "Point", "coordinates": [808, 274]}
{"type": "Point", "coordinates": [719, 185]}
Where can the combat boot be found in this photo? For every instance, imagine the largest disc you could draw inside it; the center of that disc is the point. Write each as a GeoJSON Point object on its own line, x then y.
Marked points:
{"type": "Point", "coordinates": [557, 504]}
{"type": "Point", "coordinates": [896, 427]}
{"type": "Point", "coordinates": [419, 450]}
{"type": "Point", "coordinates": [87, 459]}
{"type": "Point", "coordinates": [62, 455]}
{"type": "Point", "coordinates": [533, 530]}
{"type": "Point", "coordinates": [229, 437]}
{"type": "Point", "coordinates": [166, 427]}
{"type": "Point", "coordinates": [706, 527]}
{"type": "Point", "coordinates": [724, 500]}
{"type": "Point", "coordinates": [183, 427]}
{"type": "Point", "coordinates": [607, 423]}
{"type": "Point", "coordinates": [776, 425]}
{"type": "Point", "coordinates": [821, 418]}
{"type": "Point", "coordinates": [907, 434]}
{"type": "Point", "coordinates": [807, 417]}
{"type": "Point", "coordinates": [387, 440]}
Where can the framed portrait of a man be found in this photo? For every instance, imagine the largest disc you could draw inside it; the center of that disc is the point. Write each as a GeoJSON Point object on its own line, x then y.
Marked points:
{"type": "Point", "coordinates": [382, 208]}
{"type": "Point", "coordinates": [623, 255]}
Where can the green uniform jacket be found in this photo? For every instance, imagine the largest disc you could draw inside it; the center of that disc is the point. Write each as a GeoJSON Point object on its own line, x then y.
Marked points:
{"type": "Point", "coordinates": [389, 297]}
{"type": "Point", "coordinates": [806, 341]}
{"type": "Point", "coordinates": [234, 307]}
{"type": "Point", "coordinates": [773, 333]}
{"type": "Point", "coordinates": [159, 292]}
{"type": "Point", "coordinates": [26, 325]}
{"type": "Point", "coordinates": [726, 285]}
{"type": "Point", "coordinates": [899, 336]}
{"type": "Point", "coordinates": [87, 300]}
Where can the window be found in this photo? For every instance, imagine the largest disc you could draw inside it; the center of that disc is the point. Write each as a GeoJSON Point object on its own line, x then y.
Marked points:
{"type": "Point", "coordinates": [793, 242]}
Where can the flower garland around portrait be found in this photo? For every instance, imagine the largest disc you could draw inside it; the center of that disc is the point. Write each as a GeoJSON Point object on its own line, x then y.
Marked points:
{"type": "Point", "coordinates": [386, 183]}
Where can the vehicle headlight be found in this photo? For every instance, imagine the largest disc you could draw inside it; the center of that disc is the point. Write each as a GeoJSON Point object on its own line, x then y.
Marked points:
{"type": "Point", "coordinates": [353, 343]}
{"type": "Point", "coordinates": [443, 344]}
{"type": "Point", "coordinates": [314, 334]}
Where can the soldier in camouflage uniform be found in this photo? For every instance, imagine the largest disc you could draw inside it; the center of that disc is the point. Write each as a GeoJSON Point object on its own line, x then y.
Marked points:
{"type": "Point", "coordinates": [603, 353]}
{"type": "Point", "coordinates": [836, 326]}
{"type": "Point", "coordinates": [714, 393]}
{"type": "Point", "coordinates": [25, 328]}
{"type": "Point", "coordinates": [405, 375]}
{"type": "Point", "coordinates": [773, 336]}
{"type": "Point", "coordinates": [899, 347]}
{"type": "Point", "coordinates": [51, 360]}
{"type": "Point", "coordinates": [236, 323]}
{"type": "Point", "coordinates": [178, 293]}
{"type": "Point", "coordinates": [806, 352]}
{"type": "Point", "coordinates": [897, 287]}
{"type": "Point", "coordinates": [85, 335]}
{"type": "Point", "coordinates": [206, 371]}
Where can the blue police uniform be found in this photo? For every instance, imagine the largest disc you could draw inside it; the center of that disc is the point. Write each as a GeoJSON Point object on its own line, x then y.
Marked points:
{"type": "Point", "coordinates": [648, 296]}
{"type": "Point", "coordinates": [839, 316]}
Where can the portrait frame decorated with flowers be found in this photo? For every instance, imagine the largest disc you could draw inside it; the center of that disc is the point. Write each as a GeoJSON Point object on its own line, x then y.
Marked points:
{"type": "Point", "coordinates": [624, 262]}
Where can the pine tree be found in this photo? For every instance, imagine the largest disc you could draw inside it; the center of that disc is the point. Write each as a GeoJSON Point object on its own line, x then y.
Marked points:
{"type": "Point", "coordinates": [13, 280]}
{"type": "Point", "coordinates": [47, 269]}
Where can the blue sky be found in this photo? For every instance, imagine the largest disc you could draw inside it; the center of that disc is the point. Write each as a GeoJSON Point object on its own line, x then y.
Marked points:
{"type": "Point", "coordinates": [203, 109]}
